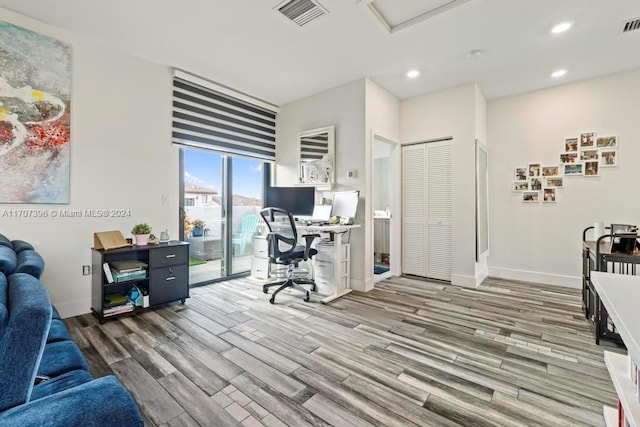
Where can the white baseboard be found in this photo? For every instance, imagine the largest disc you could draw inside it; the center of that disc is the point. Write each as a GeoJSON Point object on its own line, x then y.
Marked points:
{"type": "Point", "coordinates": [466, 281]}
{"type": "Point", "coordinates": [73, 308]}
{"type": "Point", "coordinates": [536, 277]}
{"type": "Point", "coordinates": [361, 285]}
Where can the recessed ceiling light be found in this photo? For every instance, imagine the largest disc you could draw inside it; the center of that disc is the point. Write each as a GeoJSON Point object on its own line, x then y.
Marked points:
{"type": "Point", "coordinates": [559, 73]}
{"type": "Point", "coordinates": [561, 28]}
{"type": "Point", "coordinates": [474, 54]}
{"type": "Point", "coordinates": [412, 74]}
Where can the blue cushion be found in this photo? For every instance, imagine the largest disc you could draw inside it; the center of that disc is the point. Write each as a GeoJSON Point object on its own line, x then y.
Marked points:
{"type": "Point", "coordinates": [30, 262]}
{"type": "Point", "coordinates": [5, 242]}
{"type": "Point", "coordinates": [20, 245]}
{"type": "Point", "coordinates": [4, 311]}
{"type": "Point", "coordinates": [8, 260]}
{"type": "Point", "coordinates": [55, 314]}
{"type": "Point", "coordinates": [60, 383]}
{"type": "Point", "coordinates": [23, 340]}
{"type": "Point", "coordinates": [61, 357]}
{"type": "Point", "coordinates": [58, 331]}
{"type": "Point", "coordinates": [101, 402]}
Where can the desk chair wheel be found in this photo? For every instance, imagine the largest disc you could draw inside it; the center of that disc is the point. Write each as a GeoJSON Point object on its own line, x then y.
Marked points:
{"type": "Point", "coordinates": [306, 297]}
{"type": "Point", "coordinates": [265, 289]}
{"type": "Point", "coordinates": [272, 300]}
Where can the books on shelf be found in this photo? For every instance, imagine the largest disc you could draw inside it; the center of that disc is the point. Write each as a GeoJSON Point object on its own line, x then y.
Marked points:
{"type": "Point", "coordinates": [119, 309]}
{"type": "Point", "coordinates": [124, 271]}
{"type": "Point", "coordinates": [128, 266]}
{"type": "Point", "coordinates": [114, 300]}
{"type": "Point", "coordinates": [107, 272]}
{"type": "Point", "coordinates": [125, 277]}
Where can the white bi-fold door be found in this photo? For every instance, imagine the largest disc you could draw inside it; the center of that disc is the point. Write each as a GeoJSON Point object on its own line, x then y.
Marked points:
{"type": "Point", "coordinates": [427, 210]}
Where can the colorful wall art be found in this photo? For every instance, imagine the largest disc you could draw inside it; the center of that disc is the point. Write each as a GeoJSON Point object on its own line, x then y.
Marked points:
{"type": "Point", "coordinates": [35, 100]}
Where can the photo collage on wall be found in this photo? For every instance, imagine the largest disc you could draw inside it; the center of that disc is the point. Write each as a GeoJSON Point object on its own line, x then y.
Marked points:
{"type": "Point", "coordinates": [583, 156]}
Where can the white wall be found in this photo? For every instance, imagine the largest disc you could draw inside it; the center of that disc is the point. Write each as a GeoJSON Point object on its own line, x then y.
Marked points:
{"type": "Point", "coordinates": [121, 158]}
{"type": "Point", "coordinates": [342, 107]}
{"type": "Point", "coordinates": [452, 113]}
{"type": "Point", "coordinates": [542, 242]}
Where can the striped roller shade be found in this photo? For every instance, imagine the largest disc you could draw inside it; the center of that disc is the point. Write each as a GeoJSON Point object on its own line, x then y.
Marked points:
{"type": "Point", "coordinates": [313, 147]}
{"type": "Point", "coordinates": [207, 118]}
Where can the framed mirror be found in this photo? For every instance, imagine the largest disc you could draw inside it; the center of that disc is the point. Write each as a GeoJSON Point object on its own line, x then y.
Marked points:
{"type": "Point", "coordinates": [482, 200]}
{"type": "Point", "coordinates": [317, 156]}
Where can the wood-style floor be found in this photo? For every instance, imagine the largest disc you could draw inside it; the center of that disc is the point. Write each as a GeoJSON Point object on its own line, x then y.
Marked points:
{"type": "Point", "coordinates": [408, 353]}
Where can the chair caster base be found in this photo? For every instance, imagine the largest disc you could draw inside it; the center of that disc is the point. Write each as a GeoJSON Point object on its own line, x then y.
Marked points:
{"type": "Point", "coordinates": [306, 297]}
{"type": "Point", "coordinates": [265, 289]}
{"type": "Point", "coordinates": [272, 300]}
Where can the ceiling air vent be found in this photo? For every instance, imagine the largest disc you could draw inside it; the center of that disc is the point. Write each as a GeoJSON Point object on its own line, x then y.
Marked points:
{"type": "Point", "coordinates": [631, 25]}
{"type": "Point", "coordinates": [301, 11]}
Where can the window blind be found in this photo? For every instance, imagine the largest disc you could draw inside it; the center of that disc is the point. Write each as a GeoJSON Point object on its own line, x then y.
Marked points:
{"type": "Point", "coordinates": [208, 118]}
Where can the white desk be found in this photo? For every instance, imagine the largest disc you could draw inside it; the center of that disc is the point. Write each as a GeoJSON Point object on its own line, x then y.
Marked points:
{"type": "Point", "coordinates": [335, 231]}
{"type": "Point", "coordinates": [619, 293]}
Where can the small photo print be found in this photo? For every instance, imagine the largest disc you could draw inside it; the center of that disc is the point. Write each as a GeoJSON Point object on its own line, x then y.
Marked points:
{"type": "Point", "coordinates": [568, 158]}
{"type": "Point", "coordinates": [591, 168]}
{"type": "Point", "coordinates": [550, 171]}
{"type": "Point", "coordinates": [521, 174]}
{"type": "Point", "coordinates": [608, 158]}
{"type": "Point", "coordinates": [520, 185]}
{"type": "Point", "coordinates": [554, 182]}
{"type": "Point", "coordinates": [534, 169]}
{"type": "Point", "coordinates": [571, 145]}
{"type": "Point", "coordinates": [573, 169]}
{"type": "Point", "coordinates": [536, 183]}
{"type": "Point", "coordinates": [530, 196]}
{"type": "Point", "coordinates": [587, 140]}
{"type": "Point", "coordinates": [589, 155]}
{"type": "Point", "coordinates": [549, 195]}
{"type": "Point", "coordinates": [607, 142]}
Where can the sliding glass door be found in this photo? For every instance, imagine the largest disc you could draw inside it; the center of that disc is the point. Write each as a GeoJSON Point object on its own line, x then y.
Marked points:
{"type": "Point", "coordinates": [221, 198]}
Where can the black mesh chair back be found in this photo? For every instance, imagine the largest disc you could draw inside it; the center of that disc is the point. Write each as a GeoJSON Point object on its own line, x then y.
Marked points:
{"type": "Point", "coordinates": [284, 249]}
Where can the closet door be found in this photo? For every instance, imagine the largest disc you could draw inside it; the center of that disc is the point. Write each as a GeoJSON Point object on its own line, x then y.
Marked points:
{"type": "Point", "coordinates": [427, 210]}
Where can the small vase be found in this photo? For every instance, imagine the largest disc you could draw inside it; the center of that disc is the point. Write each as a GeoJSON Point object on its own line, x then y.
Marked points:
{"type": "Point", "coordinates": [197, 231]}
{"type": "Point", "coordinates": [142, 239]}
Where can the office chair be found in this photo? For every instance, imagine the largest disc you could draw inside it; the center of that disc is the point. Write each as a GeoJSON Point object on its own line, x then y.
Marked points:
{"type": "Point", "coordinates": [282, 241]}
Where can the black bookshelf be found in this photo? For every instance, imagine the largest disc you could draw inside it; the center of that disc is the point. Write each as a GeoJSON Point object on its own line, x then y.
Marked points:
{"type": "Point", "coordinates": [166, 279]}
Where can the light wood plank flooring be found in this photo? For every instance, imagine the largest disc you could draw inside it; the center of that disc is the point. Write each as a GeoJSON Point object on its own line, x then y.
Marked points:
{"type": "Point", "coordinates": [411, 352]}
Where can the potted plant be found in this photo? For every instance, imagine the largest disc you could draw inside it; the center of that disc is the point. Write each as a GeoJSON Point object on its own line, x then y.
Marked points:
{"type": "Point", "coordinates": [141, 232]}
{"type": "Point", "coordinates": [198, 227]}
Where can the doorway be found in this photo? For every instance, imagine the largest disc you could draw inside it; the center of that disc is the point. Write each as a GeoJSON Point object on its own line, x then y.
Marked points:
{"type": "Point", "coordinates": [221, 197]}
{"type": "Point", "coordinates": [384, 202]}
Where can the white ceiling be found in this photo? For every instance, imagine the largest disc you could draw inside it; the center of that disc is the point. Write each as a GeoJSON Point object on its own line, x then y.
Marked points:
{"type": "Point", "coordinates": [247, 45]}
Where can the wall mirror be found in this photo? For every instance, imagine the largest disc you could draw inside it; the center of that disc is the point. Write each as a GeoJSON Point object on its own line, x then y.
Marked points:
{"type": "Point", "coordinates": [482, 200]}
{"type": "Point", "coordinates": [317, 156]}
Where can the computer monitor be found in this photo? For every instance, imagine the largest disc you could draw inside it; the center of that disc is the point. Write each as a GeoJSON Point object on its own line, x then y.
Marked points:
{"type": "Point", "coordinates": [345, 204]}
{"type": "Point", "coordinates": [297, 200]}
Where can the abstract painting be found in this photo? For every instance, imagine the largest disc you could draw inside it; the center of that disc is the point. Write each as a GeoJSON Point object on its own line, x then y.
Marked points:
{"type": "Point", "coordinates": [35, 101]}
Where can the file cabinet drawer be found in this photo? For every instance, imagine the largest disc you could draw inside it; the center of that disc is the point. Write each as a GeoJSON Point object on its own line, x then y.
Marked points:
{"type": "Point", "coordinates": [168, 284]}
{"type": "Point", "coordinates": [164, 257]}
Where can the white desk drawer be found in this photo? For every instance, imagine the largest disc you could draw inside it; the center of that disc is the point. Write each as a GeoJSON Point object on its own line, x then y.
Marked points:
{"type": "Point", "coordinates": [260, 268]}
{"type": "Point", "coordinates": [325, 252]}
{"type": "Point", "coordinates": [260, 247]}
{"type": "Point", "coordinates": [324, 269]}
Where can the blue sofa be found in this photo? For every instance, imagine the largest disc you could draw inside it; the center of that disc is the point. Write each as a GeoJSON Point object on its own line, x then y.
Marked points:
{"type": "Point", "coordinates": [44, 379]}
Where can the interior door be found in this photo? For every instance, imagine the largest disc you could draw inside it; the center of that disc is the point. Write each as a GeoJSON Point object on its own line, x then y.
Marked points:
{"type": "Point", "coordinates": [427, 210]}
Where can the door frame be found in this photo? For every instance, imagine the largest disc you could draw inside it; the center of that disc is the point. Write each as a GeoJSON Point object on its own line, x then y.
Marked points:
{"type": "Point", "coordinates": [395, 252]}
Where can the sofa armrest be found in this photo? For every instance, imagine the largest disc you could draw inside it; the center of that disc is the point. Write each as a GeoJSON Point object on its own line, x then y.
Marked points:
{"type": "Point", "coordinates": [23, 338]}
{"type": "Point", "coordinates": [101, 402]}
